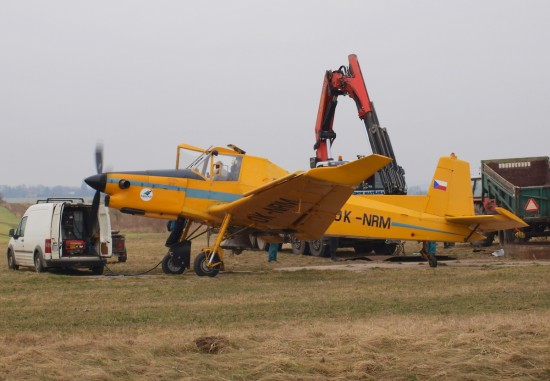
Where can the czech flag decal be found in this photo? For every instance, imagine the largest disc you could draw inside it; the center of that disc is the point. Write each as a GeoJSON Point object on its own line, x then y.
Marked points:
{"type": "Point", "coordinates": [441, 185]}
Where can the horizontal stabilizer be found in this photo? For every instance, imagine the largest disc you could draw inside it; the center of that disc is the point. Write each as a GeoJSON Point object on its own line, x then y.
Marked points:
{"type": "Point", "coordinates": [503, 220]}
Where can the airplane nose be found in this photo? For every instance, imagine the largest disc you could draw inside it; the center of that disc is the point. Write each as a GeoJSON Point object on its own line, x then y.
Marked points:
{"type": "Point", "coordinates": [97, 182]}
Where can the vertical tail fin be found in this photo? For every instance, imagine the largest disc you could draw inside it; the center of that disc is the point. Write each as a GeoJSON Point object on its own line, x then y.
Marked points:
{"type": "Point", "coordinates": [450, 192]}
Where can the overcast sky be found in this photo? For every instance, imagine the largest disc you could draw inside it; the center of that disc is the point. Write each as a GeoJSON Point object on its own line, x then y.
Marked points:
{"type": "Point", "coordinates": [469, 77]}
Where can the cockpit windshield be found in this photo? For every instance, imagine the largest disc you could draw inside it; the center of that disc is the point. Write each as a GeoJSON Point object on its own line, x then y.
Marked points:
{"type": "Point", "coordinates": [216, 166]}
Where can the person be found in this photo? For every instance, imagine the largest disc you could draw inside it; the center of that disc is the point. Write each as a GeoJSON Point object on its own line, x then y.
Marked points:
{"type": "Point", "coordinates": [272, 252]}
{"type": "Point", "coordinates": [428, 252]}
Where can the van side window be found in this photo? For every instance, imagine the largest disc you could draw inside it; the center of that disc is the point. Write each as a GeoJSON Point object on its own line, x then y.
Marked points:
{"type": "Point", "coordinates": [20, 232]}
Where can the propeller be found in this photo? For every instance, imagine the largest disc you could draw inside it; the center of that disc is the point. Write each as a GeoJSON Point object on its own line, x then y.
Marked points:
{"type": "Point", "coordinates": [99, 158]}
{"type": "Point", "coordinates": [94, 218]}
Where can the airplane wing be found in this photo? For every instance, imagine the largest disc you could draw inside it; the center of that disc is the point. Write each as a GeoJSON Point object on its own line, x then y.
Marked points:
{"type": "Point", "coordinates": [303, 203]}
{"type": "Point", "coordinates": [503, 220]}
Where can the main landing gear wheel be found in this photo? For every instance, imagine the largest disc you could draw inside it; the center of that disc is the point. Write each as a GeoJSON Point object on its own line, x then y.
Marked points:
{"type": "Point", "coordinates": [201, 266]}
{"type": "Point", "coordinates": [173, 264]}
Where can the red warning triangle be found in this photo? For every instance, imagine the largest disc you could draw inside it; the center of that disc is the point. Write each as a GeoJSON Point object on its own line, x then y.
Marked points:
{"type": "Point", "coordinates": [531, 205]}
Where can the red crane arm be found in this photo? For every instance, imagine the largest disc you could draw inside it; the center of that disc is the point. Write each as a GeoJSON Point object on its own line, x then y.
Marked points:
{"type": "Point", "coordinates": [344, 81]}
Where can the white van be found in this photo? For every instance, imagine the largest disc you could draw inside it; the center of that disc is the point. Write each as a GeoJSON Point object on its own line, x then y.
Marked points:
{"type": "Point", "coordinates": [61, 233]}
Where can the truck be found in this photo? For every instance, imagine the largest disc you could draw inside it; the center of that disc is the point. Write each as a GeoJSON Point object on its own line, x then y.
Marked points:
{"type": "Point", "coordinates": [61, 233]}
{"type": "Point", "coordinates": [389, 180]}
{"type": "Point", "coordinates": [521, 185]}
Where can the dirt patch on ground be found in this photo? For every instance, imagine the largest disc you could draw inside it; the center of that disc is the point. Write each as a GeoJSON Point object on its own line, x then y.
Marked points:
{"type": "Point", "coordinates": [381, 264]}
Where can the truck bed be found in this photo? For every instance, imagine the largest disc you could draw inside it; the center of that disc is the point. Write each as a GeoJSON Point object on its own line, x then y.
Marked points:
{"type": "Point", "coordinates": [518, 184]}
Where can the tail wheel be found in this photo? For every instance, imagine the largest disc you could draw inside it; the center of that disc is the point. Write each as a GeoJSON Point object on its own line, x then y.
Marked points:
{"type": "Point", "coordinates": [11, 261]}
{"type": "Point", "coordinates": [173, 264]}
{"type": "Point", "coordinates": [201, 264]}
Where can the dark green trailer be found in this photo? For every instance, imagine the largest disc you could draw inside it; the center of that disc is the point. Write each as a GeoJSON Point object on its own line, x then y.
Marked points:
{"type": "Point", "coordinates": [521, 185]}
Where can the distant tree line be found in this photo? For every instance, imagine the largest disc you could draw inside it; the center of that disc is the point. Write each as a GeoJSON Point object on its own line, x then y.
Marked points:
{"type": "Point", "coordinates": [42, 191]}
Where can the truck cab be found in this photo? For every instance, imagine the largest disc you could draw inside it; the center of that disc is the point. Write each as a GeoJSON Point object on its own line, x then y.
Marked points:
{"type": "Point", "coordinates": [61, 233]}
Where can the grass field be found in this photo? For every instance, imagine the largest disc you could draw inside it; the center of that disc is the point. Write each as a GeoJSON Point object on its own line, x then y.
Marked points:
{"type": "Point", "coordinates": [7, 221]}
{"type": "Point", "coordinates": [489, 321]}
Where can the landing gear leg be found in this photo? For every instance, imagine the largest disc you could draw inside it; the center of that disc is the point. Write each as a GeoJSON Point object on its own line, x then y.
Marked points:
{"type": "Point", "coordinates": [178, 257]}
{"type": "Point", "coordinates": [210, 261]}
{"type": "Point", "coordinates": [428, 253]}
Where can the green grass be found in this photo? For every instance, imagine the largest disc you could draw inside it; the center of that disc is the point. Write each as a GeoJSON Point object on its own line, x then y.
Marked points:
{"type": "Point", "coordinates": [31, 301]}
{"type": "Point", "coordinates": [8, 220]}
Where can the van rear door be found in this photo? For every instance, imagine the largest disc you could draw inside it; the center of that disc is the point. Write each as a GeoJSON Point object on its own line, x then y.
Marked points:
{"type": "Point", "coordinates": [105, 240]}
{"type": "Point", "coordinates": [55, 235]}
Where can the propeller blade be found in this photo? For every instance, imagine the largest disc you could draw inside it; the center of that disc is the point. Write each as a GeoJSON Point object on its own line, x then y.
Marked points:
{"type": "Point", "coordinates": [99, 157]}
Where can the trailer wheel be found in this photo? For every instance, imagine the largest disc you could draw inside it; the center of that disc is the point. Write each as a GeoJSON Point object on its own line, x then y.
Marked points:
{"type": "Point", "coordinates": [300, 247]}
{"type": "Point", "coordinates": [318, 248]}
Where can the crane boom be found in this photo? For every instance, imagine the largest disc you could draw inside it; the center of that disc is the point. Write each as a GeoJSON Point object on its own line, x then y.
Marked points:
{"type": "Point", "coordinates": [349, 81]}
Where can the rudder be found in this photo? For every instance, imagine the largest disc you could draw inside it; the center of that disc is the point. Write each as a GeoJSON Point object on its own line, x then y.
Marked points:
{"type": "Point", "coordinates": [450, 192]}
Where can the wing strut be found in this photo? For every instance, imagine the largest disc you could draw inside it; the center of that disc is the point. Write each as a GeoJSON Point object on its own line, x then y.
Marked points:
{"type": "Point", "coordinates": [221, 234]}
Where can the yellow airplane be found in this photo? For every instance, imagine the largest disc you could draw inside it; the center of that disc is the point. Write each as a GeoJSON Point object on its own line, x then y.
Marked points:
{"type": "Point", "coordinates": [245, 196]}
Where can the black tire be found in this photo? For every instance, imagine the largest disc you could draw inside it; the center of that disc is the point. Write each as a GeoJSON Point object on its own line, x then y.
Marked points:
{"type": "Point", "coordinates": [300, 247]}
{"type": "Point", "coordinates": [363, 248]}
{"type": "Point", "coordinates": [488, 241]}
{"type": "Point", "coordinates": [318, 248]}
{"type": "Point", "coordinates": [38, 265]}
{"type": "Point", "coordinates": [98, 269]}
{"type": "Point", "coordinates": [200, 265]}
{"type": "Point", "coordinates": [123, 257]}
{"type": "Point", "coordinates": [384, 248]}
{"type": "Point", "coordinates": [173, 264]}
{"type": "Point", "coordinates": [11, 261]}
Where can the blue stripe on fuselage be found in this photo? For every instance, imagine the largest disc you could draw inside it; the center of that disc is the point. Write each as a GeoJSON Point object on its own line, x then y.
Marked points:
{"type": "Point", "coordinates": [190, 192]}
{"type": "Point", "coordinates": [401, 225]}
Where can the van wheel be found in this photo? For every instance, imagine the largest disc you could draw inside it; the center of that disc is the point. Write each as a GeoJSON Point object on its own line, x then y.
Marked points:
{"type": "Point", "coordinates": [11, 261]}
{"type": "Point", "coordinates": [38, 266]}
